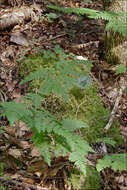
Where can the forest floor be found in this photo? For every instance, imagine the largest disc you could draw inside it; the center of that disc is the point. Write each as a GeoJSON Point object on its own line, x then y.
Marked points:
{"type": "Point", "coordinates": [38, 29]}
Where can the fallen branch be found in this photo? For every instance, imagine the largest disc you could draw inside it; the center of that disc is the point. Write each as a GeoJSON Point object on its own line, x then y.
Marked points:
{"type": "Point", "coordinates": [113, 113]}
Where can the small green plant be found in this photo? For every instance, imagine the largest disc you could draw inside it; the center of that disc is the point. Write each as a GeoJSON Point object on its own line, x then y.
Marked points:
{"type": "Point", "coordinates": [115, 161]}
{"type": "Point", "coordinates": [60, 73]}
{"type": "Point", "coordinates": [120, 69]}
{"type": "Point", "coordinates": [51, 17]}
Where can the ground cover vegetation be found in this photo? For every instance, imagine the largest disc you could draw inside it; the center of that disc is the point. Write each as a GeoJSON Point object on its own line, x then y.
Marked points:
{"type": "Point", "coordinates": [63, 110]}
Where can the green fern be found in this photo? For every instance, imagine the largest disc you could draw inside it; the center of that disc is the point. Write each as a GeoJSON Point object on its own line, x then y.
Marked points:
{"type": "Point", "coordinates": [15, 111]}
{"type": "Point", "coordinates": [115, 161]}
{"type": "Point", "coordinates": [42, 123]}
{"type": "Point", "coordinates": [63, 74]}
{"type": "Point", "coordinates": [107, 141]}
{"type": "Point", "coordinates": [53, 136]}
{"type": "Point", "coordinates": [116, 21]}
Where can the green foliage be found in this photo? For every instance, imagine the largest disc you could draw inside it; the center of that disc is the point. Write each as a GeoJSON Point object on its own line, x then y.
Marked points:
{"type": "Point", "coordinates": [15, 111]}
{"type": "Point", "coordinates": [61, 75]}
{"type": "Point", "coordinates": [92, 180]}
{"type": "Point", "coordinates": [89, 182]}
{"type": "Point", "coordinates": [1, 129]}
{"type": "Point", "coordinates": [2, 187]}
{"type": "Point", "coordinates": [76, 180]}
{"type": "Point", "coordinates": [115, 161]}
{"type": "Point", "coordinates": [51, 17]}
{"type": "Point", "coordinates": [57, 77]}
{"type": "Point", "coordinates": [116, 21]}
{"type": "Point", "coordinates": [120, 69]}
{"type": "Point", "coordinates": [107, 141]}
{"type": "Point", "coordinates": [43, 124]}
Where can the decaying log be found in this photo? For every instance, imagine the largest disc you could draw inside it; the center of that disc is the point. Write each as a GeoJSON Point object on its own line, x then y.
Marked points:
{"type": "Point", "coordinates": [17, 16]}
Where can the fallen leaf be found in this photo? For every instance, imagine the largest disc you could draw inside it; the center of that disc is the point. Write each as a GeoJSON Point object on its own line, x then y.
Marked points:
{"type": "Point", "coordinates": [19, 38]}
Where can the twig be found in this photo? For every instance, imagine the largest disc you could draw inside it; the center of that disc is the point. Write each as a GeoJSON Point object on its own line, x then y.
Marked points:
{"type": "Point", "coordinates": [115, 108]}
{"type": "Point", "coordinates": [79, 108]}
{"type": "Point", "coordinates": [53, 38]}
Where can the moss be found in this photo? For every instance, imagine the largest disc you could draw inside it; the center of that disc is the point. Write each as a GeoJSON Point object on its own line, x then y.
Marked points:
{"type": "Point", "coordinates": [90, 108]}
{"type": "Point", "coordinates": [30, 64]}
{"type": "Point", "coordinates": [85, 104]}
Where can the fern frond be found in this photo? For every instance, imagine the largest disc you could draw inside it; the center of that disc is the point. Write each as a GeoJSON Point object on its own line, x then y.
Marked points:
{"type": "Point", "coordinates": [78, 11]}
{"type": "Point", "coordinates": [15, 111]}
{"type": "Point", "coordinates": [43, 123]}
{"type": "Point", "coordinates": [58, 78]}
{"type": "Point", "coordinates": [107, 141]}
{"type": "Point", "coordinates": [61, 76]}
{"type": "Point", "coordinates": [37, 75]}
{"type": "Point", "coordinates": [43, 142]}
{"type": "Point", "coordinates": [117, 21]}
{"type": "Point", "coordinates": [73, 124]}
{"type": "Point", "coordinates": [35, 99]}
{"type": "Point", "coordinates": [115, 161]}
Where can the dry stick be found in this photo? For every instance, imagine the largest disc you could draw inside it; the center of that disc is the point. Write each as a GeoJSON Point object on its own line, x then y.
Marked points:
{"type": "Point", "coordinates": [22, 184]}
{"type": "Point", "coordinates": [55, 37]}
{"type": "Point", "coordinates": [115, 108]}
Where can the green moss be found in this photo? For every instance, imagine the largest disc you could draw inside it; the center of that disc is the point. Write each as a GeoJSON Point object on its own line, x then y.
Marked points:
{"type": "Point", "coordinates": [85, 104]}
{"type": "Point", "coordinates": [90, 108]}
{"type": "Point", "coordinates": [30, 64]}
